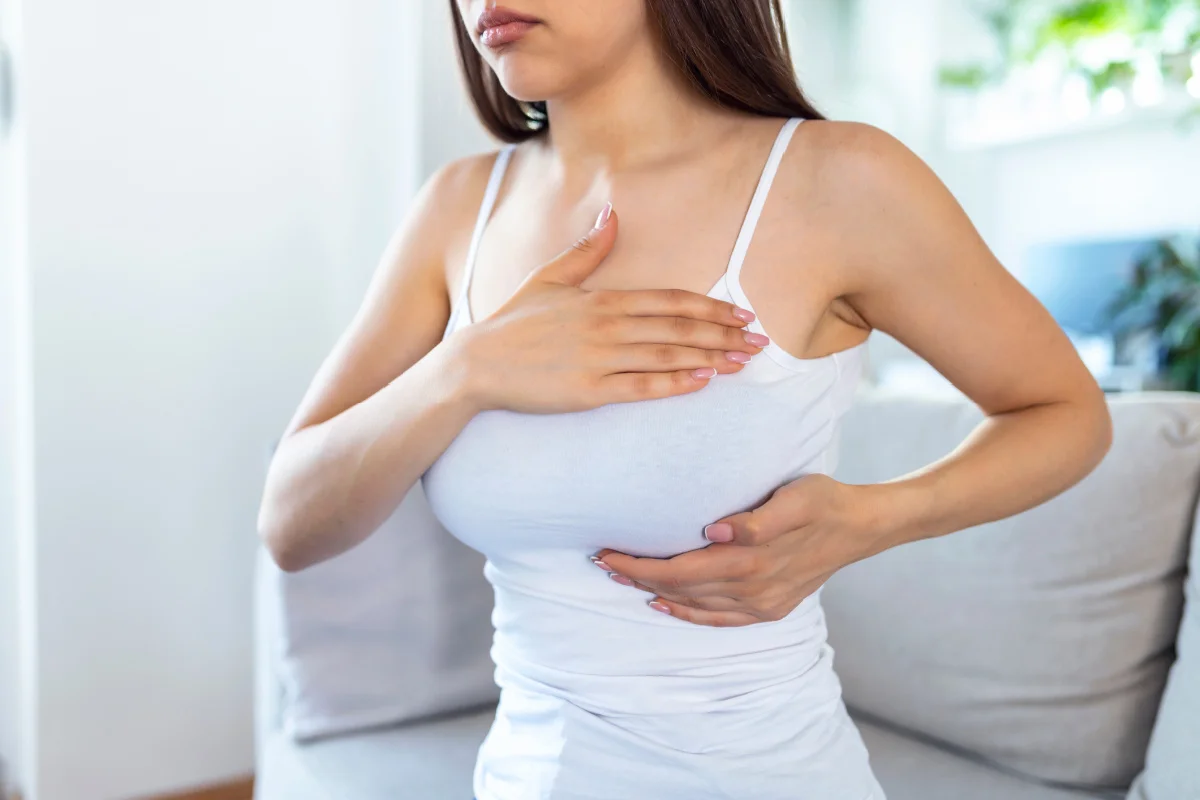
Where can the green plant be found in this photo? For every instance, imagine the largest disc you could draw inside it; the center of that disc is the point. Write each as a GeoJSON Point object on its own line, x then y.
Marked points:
{"type": "Point", "coordinates": [1104, 41]}
{"type": "Point", "coordinates": [1164, 298]}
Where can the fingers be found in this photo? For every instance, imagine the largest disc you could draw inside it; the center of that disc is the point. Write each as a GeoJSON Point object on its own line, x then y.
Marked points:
{"type": "Point", "coordinates": [700, 616]}
{"type": "Point", "coordinates": [632, 387]}
{"type": "Point", "coordinates": [683, 331]}
{"type": "Point", "coordinates": [714, 586]}
{"type": "Point", "coordinates": [785, 511]}
{"type": "Point", "coordinates": [671, 357]}
{"type": "Point", "coordinates": [722, 612]}
{"type": "Point", "coordinates": [706, 596]}
{"type": "Point", "coordinates": [685, 572]}
{"type": "Point", "coordinates": [674, 303]}
{"type": "Point", "coordinates": [582, 258]}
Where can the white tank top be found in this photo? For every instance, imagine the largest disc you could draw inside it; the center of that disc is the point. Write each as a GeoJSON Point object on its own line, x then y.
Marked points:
{"type": "Point", "coordinates": [603, 697]}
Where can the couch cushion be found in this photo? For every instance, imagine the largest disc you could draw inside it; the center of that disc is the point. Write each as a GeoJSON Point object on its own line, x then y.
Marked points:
{"type": "Point", "coordinates": [435, 761]}
{"type": "Point", "coordinates": [430, 760]}
{"type": "Point", "coordinates": [395, 629]}
{"type": "Point", "coordinates": [1041, 642]}
{"type": "Point", "coordinates": [910, 769]}
{"type": "Point", "coordinates": [1173, 763]}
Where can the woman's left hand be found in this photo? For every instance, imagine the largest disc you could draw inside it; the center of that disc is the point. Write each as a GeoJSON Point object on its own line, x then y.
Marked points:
{"type": "Point", "coordinates": [763, 562]}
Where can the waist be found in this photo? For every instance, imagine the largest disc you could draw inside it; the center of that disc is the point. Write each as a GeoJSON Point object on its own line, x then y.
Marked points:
{"type": "Point", "coordinates": [581, 637]}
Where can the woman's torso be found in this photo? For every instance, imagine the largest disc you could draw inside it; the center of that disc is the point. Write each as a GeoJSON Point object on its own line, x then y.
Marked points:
{"type": "Point", "coordinates": [603, 696]}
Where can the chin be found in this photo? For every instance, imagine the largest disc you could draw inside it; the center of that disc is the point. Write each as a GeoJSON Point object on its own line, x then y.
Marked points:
{"type": "Point", "coordinates": [526, 78]}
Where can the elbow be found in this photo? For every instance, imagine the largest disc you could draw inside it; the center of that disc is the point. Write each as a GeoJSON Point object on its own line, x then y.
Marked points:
{"type": "Point", "coordinates": [278, 526]}
{"type": "Point", "coordinates": [287, 558]}
{"type": "Point", "coordinates": [281, 540]}
{"type": "Point", "coordinates": [1106, 436]}
{"type": "Point", "coordinates": [1101, 430]}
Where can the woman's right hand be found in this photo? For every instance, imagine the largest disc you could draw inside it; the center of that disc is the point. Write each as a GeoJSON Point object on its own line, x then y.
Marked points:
{"type": "Point", "coordinates": [554, 347]}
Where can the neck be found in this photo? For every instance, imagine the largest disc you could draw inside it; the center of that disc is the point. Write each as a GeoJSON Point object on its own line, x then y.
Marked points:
{"type": "Point", "coordinates": [638, 113]}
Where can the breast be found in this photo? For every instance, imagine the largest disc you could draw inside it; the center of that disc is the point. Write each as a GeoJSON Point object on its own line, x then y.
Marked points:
{"type": "Point", "coordinates": [643, 478]}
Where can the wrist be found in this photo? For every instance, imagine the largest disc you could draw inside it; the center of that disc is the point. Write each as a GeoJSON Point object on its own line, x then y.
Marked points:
{"type": "Point", "coordinates": [461, 373]}
{"type": "Point", "coordinates": [891, 514]}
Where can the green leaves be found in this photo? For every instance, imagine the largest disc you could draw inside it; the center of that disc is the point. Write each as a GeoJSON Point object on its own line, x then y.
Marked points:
{"type": "Point", "coordinates": [972, 76]}
{"type": "Point", "coordinates": [1104, 40]}
{"type": "Point", "coordinates": [1074, 23]}
{"type": "Point", "coordinates": [1164, 297]}
{"type": "Point", "coordinates": [1115, 73]}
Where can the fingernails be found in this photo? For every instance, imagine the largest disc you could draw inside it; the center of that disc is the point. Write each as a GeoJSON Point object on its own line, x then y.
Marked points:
{"type": "Point", "coordinates": [757, 339]}
{"type": "Point", "coordinates": [738, 357]}
{"type": "Point", "coordinates": [621, 579]}
{"type": "Point", "coordinates": [657, 606]}
{"type": "Point", "coordinates": [719, 532]}
{"type": "Point", "coordinates": [602, 565]}
{"type": "Point", "coordinates": [704, 373]}
{"type": "Point", "coordinates": [743, 314]}
{"type": "Point", "coordinates": [605, 213]}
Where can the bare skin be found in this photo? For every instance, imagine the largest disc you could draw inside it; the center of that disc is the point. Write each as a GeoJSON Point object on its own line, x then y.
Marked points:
{"type": "Point", "coordinates": [858, 235]}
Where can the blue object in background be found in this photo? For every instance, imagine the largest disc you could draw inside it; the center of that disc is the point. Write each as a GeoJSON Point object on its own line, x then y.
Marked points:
{"type": "Point", "coordinates": [1076, 281]}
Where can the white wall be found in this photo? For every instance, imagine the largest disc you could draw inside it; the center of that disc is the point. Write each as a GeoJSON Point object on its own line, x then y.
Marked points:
{"type": "Point", "coordinates": [209, 187]}
{"type": "Point", "coordinates": [449, 127]}
{"type": "Point", "coordinates": [14, 451]}
{"type": "Point", "coordinates": [817, 31]}
{"type": "Point", "coordinates": [9, 729]}
{"type": "Point", "coordinates": [381, 121]}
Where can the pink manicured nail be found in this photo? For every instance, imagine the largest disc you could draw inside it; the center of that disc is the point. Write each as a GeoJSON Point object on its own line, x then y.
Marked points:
{"type": "Point", "coordinates": [743, 314]}
{"type": "Point", "coordinates": [757, 339]}
{"type": "Point", "coordinates": [657, 606]}
{"type": "Point", "coordinates": [704, 373]}
{"type": "Point", "coordinates": [602, 565]}
{"type": "Point", "coordinates": [605, 213]}
{"type": "Point", "coordinates": [719, 532]}
{"type": "Point", "coordinates": [621, 579]}
{"type": "Point", "coordinates": [738, 357]}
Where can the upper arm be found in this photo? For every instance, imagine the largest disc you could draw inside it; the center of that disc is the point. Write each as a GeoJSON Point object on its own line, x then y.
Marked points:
{"type": "Point", "coordinates": [407, 306]}
{"type": "Point", "coordinates": [918, 270]}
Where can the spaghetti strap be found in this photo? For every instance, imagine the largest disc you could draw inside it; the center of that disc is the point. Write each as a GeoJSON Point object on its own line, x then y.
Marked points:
{"type": "Point", "coordinates": [495, 181]}
{"type": "Point", "coordinates": [732, 276]}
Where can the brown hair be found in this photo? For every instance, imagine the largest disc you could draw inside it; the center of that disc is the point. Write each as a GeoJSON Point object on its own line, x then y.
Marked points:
{"type": "Point", "coordinates": [745, 65]}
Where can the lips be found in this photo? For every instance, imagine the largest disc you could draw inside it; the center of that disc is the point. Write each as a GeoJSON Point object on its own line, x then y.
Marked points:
{"type": "Point", "coordinates": [500, 26]}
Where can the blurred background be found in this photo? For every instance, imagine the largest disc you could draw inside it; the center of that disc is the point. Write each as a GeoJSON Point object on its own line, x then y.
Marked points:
{"type": "Point", "coordinates": [194, 196]}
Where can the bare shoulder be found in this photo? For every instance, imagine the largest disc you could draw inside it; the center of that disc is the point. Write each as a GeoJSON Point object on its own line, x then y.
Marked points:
{"type": "Point", "coordinates": [884, 204]}
{"type": "Point", "coordinates": [462, 178]}
{"type": "Point", "coordinates": [440, 219]}
{"type": "Point", "coordinates": [450, 198]}
{"type": "Point", "coordinates": [416, 266]}
{"type": "Point", "coordinates": [856, 163]}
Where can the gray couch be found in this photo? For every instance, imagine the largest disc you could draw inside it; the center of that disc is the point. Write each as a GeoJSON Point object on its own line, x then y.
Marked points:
{"type": "Point", "coordinates": [1024, 660]}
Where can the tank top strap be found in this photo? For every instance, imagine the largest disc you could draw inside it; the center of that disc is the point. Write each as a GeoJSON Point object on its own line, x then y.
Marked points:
{"type": "Point", "coordinates": [490, 195]}
{"type": "Point", "coordinates": [732, 276]}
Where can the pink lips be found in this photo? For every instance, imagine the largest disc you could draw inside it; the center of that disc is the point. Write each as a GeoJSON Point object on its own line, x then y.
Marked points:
{"type": "Point", "coordinates": [500, 26]}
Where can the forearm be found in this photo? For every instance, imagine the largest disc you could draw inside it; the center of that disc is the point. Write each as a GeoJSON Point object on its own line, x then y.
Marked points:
{"type": "Point", "coordinates": [1011, 462]}
{"type": "Point", "coordinates": [331, 485]}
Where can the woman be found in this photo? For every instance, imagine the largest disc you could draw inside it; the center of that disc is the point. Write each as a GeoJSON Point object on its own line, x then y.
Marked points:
{"type": "Point", "coordinates": [610, 402]}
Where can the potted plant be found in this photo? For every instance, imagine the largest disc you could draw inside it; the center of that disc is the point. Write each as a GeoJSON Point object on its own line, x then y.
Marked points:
{"type": "Point", "coordinates": [1163, 298]}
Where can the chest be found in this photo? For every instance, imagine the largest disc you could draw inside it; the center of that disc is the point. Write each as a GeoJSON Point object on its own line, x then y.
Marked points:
{"type": "Point", "coordinates": [674, 233]}
{"type": "Point", "coordinates": [641, 477]}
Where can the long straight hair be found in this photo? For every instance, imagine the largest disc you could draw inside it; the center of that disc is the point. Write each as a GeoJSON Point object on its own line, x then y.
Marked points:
{"type": "Point", "coordinates": [734, 52]}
